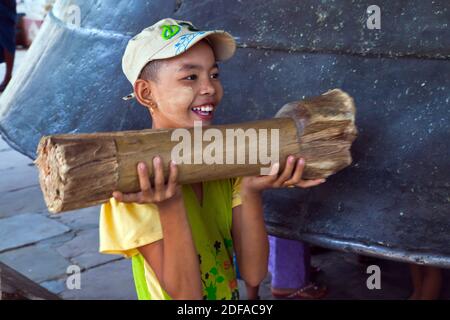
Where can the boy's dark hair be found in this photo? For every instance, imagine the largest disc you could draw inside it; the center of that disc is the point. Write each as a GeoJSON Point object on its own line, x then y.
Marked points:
{"type": "Point", "coordinates": [150, 71]}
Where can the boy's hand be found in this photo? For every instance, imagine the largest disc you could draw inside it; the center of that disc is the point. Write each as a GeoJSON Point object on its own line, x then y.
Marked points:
{"type": "Point", "coordinates": [290, 177]}
{"type": "Point", "coordinates": [158, 195]}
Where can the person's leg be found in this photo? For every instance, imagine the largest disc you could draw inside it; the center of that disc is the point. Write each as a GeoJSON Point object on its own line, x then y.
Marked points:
{"type": "Point", "coordinates": [432, 283]}
{"type": "Point", "coordinates": [305, 255]}
{"type": "Point", "coordinates": [286, 265]}
{"type": "Point", "coordinates": [311, 289]}
{"type": "Point", "coordinates": [9, 60]}
{"type": "Point", "coordinates": [290, 264]}
{"type": "Point", "coordinates": [417, 279]}
{"type": "Point", "coordinates": [252, 292]}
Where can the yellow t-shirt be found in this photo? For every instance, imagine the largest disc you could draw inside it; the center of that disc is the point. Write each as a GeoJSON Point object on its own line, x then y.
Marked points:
{"type": "Point", "coordinates": [126, 226]}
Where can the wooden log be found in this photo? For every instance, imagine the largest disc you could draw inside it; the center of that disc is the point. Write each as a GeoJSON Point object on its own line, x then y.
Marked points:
{"type": "Point", "coordinates": [83, 170]}
{"type": "Point", "coordinates": [15, 286]}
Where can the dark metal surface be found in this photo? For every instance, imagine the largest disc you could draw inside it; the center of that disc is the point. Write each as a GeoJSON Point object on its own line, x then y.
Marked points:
{"type": "Point", "coordinates": [72, 80]}
{"type": "Point", "coordinates": [393, 202]}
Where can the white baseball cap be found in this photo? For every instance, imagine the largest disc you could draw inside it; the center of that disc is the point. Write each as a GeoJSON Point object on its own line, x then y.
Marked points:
{"type": "Point", "coordinates": [168, 38]}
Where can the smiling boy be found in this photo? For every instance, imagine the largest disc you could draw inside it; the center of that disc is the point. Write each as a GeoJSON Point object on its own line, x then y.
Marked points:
{"type": "Point", "coordinates": [182, 238]}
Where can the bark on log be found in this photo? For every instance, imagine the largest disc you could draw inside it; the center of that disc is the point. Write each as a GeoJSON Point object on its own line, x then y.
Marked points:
{"type": "Point", "coordinates": [82, 170]}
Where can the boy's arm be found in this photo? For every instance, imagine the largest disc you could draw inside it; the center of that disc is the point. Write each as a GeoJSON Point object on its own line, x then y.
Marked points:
{"type": "Point", "coordinates": [250, 239]}
{"type": "Point", "coordinates": [173, 258]}
{"type": "Point", "coordinates": [249, 232]}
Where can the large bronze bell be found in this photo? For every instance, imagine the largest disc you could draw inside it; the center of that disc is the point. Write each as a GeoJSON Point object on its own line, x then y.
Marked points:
{"type": "Point", "coordinates": [393, 202]}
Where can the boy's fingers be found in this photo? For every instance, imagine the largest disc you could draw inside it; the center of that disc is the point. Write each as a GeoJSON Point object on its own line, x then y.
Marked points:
{"type": "Point", "coordinates": [159, 175]}
{"type": "Point", "coordinates": [297, 176]}
{"type": "Point", "coordinates": [129, 197]}
{"type": "Point", "coordinates": [272, 176]}
{"type": "Point", "coordinates": [117, 195]}
{"type": "Point", "coordinates": [274, 170]}
{"type": "Point", "coordinates": [287, 172]}
{"type": "Point", "coordinates": [310, 183]}
{"type": "Point", "coordinates": [144, 181]}
{"type": "Point", "coordinates": [173, 178]}
{"type": "Point", "coordinates": [267, 181]}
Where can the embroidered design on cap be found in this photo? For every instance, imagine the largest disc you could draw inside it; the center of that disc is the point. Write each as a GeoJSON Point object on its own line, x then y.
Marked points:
{"type": "Point", "coordinates": [169, 31]}
{"type": "Point", "coordinates": [185, 40]}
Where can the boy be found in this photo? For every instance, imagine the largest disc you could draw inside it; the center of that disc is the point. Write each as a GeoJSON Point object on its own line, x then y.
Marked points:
{"type": "Point", "coordinates": [182, 238]}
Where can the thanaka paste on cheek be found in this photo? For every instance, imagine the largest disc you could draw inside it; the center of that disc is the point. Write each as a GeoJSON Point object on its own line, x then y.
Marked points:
{"type": "Point", "coordinates": [175, 105]}
{"type": "Point", "coordinates": [180, 98]}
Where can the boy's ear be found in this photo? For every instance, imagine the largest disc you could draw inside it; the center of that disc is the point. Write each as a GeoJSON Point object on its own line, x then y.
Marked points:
{"type": "Point", "coordinates": [143, 92]}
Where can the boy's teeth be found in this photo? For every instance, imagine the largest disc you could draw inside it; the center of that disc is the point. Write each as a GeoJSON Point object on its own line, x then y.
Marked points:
{"type": "Point", "coordinates": [204, 109]}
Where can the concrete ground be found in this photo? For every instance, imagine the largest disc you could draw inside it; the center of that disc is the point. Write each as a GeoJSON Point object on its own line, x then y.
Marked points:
{"type": "Point", "coordinates": [43, 246]}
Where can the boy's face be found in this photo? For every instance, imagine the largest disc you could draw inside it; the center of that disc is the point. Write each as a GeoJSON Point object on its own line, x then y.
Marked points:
{"type": "Point", "coordinates": [188, 89]}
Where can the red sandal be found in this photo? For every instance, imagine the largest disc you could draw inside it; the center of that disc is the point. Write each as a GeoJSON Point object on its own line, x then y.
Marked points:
{"type": "Point", "coordinates": [309, 292]}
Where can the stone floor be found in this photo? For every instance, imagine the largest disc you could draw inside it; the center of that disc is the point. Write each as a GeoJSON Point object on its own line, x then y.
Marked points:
{"type": "Point", "coordinates": [44, 246]}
